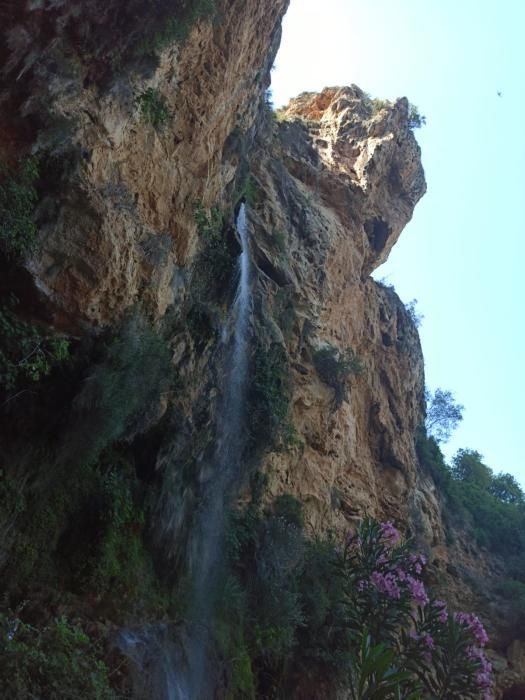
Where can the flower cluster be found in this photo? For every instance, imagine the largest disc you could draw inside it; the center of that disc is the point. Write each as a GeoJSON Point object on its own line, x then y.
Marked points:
{"type": "Point", "coordinates": [391, 535]}
{"type": "Point", "coordinates": [389, 603]}
{"type": "Point", "coordinates": [395, 571]}
{"type": "Point", "coordinates": [441, 607]}
{"type": "Point", "coordinates": [475, 625]}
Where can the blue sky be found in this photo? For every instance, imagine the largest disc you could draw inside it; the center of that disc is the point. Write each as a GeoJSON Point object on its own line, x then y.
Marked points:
{"type": "Point", "coordinates": [462, 255]}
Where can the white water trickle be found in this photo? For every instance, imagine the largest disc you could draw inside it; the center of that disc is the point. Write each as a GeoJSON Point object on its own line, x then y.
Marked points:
{"type": "Point", "coordinates": [208, 539]}
{"type": "Point", "coordinates": [180, 668]}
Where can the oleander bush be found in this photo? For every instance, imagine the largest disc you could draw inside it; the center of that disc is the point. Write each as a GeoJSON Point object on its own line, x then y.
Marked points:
{"type": "Point", "coordinates": [312, 615]}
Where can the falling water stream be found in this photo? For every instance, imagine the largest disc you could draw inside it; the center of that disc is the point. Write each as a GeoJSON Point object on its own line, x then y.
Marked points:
{"type": "Point", "coordinates": [182, 671]}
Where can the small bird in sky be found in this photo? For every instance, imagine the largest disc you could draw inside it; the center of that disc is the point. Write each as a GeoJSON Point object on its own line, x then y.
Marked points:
{"type": "Point", "coordinates": [500, 93]}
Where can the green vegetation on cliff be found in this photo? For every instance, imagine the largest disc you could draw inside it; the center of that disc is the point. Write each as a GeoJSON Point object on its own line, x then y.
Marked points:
{"type": "Point", "coordinates": [489, 506]}
{"type": "Point", "coordinates": [18, 198]}
{"type": "Point", "coordinates": [75, 506]}
{"type": "Point", "coordinates": [304, 616]}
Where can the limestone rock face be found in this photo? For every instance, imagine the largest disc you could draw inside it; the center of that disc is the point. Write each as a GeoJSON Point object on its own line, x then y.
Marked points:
{"type": "Point", "coordinates": [117, 223]}
{"type": "Point", "coordinates": [333, 206]}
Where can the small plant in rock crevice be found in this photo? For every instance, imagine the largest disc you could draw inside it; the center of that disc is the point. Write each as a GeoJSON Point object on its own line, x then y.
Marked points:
{"type": "Point", "coordinates": [27, 353]}
{"type": "Point", "coordinates": [176, 27]}
{"type": "Point", "coordinates": [334, 366]}
{"type": "Point", "coordinates": [153, 108]}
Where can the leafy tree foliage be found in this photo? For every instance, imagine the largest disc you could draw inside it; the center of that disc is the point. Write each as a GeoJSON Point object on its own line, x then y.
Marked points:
{"type": "Point", "coordinates": [505, 488]}
{"type": "Point", "coordinates": [443, 414]}
{"type": "Point", "coordinates": [18, 198]}
{"type": "Point", "coordinates": [415, 119]}
{"type": "Point", "coordinates": [468, 467]}
{"type": "Point", "coordinates": [491, 506]}
{"type": "Point", "coordinates": [56, 661]}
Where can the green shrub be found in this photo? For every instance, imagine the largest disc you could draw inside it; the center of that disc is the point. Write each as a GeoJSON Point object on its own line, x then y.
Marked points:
{"type": "Point", "coordinates": [415, 119]}
{"type": "Point", "coordinates": [378, 104]}
{"type": "Point", "coordinates": [270, 392]}
{"type": "Point", "coordinates": [319, 613]}
{"type": "Point", "coordinates": [279, 239]}
{"type": "Point", "coordinates": [334, 367]}
{"type": "Point", "coordinates": [27, 354]}
{"type": "Point", "coordinates": [215, 263]}
{"type": "Point", "coordinates": [176, 28]}
{"type": "Point", "coordinates": [153, 107]}
{"type": "Point", "coordinates": [118, 390]}
{"type": "Point", "coordinates": [18, 198]}
{"type": "Point", "coordinates": [57, 661]}
{"type": "Point", "coordinates": [290, 509]}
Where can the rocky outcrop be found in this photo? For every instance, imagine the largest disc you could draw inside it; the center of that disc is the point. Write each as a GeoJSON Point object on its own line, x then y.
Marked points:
{"type": "Point", "coordinates": [332, 205]}
{"type": "Point", "coordinates": [116, 220]}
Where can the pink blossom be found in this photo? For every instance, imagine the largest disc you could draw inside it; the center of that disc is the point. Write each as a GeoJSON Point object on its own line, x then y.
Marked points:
{"type": "Point", "coordinates": [390, 534]}
{"type": "Point", "coordinates": [417, 590]}
{"type": "Point", "coordinates": [386, 583]}
{"type": "Point", "coordinates": [475, 626]}
{"type": "Point", "coordinates": [428, 641]}
{"type": "Point", "coordinates": [443, 614]}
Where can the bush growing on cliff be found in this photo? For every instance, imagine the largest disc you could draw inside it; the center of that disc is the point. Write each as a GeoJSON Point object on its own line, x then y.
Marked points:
{"type": "Point", "coordinates": [335, 366]}
{"type": "Point", "coordinates": [56, 661]}
{"type": "Point", "coordinates": [27, 354]}
{"type": "Point", "coordinates": [444, 414]}
{"type": "Point", "coordinates": [153, 107]}
{"type": "Point", "coordinates": [415, 119]}
{"type": "Point", "coordinates": [18, 198]}
{"type": "Point", "coordinates": [215, 263]}
{"type": "Point", "coordinates": [176, 27]}
{"type": "Point", "coordinates": [412, 310]}
{"type": "Point", "coordinates": [326, 616]}
{"type": "Point", "coordinates": [269, 396]}
{"type": "Point", "coordinates": [118, 390]}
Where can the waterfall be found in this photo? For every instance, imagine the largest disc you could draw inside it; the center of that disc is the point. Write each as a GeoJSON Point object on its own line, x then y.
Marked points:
{"type": "Point", "coordinates": [184, 671]}
{"type": "Point", "coordinates": [207, 553]}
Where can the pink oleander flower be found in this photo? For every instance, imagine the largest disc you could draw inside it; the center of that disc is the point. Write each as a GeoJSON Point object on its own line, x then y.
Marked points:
{"type": "Point", "coordinates": [390, 534]}
{"type": "Point", "coordinates": [428, 641]}
{"type": "Point", "coordinates": [443, 614]}
{"type": "Point", "coordinates": [475, 626]}
{"type": "Point", "coordinates": [418, 561]}
{"type": "Point", "coordinates": [401, 574]}
{"type": "Point", "coordinates": [417, 590]}
{"type": "Point", "coordinates": [385, 583]}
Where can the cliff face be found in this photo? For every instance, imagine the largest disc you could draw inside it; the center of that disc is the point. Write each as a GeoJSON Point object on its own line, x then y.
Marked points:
{"type": "Point", "coordinates": [118, 225]}
{"type": "Point", "coordinates": [343, 168]}
{"type": "Point", "coordinates": [130, 140]}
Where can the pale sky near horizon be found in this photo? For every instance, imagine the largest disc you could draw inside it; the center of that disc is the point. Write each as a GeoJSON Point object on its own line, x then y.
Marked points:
{"type": "Point", "coordinates": [462, 254]}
